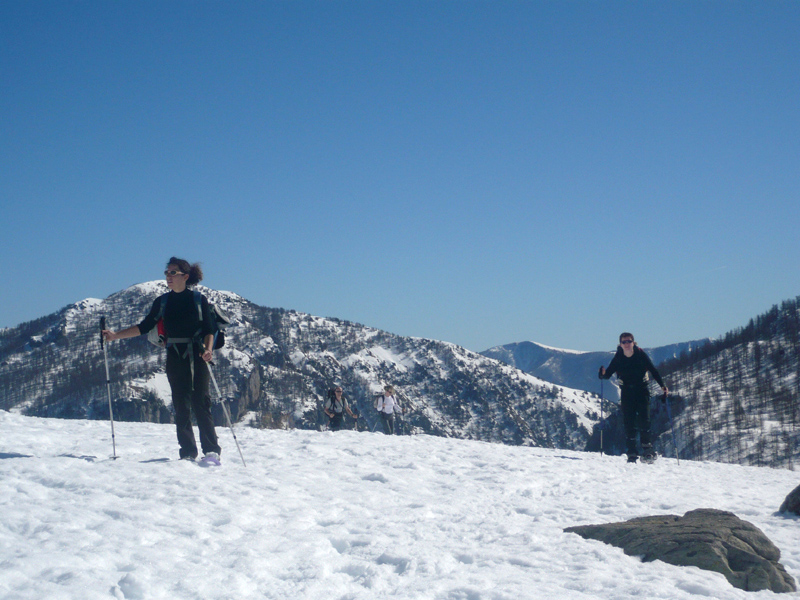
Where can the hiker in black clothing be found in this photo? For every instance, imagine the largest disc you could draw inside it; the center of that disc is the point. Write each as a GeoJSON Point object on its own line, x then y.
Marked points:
{"type": "Point", "coordinates": [190, 338]}
{"type": "Point", "coordinates": [631, 364]}
{"type": "Point", "coordinates": [335, 407]}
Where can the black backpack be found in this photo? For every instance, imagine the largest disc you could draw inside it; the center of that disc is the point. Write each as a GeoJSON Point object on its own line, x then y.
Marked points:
{"type": "Point", "coordinates": [332, 399]}
{"type": "Point", "coordinates": [158, 337]}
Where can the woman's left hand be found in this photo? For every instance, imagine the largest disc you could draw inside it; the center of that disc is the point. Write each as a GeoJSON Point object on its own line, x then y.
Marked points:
{"type": "Point", "coordinates": [207, 355]}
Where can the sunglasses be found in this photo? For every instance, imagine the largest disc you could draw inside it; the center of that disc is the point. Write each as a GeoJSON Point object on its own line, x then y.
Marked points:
{"type": "Point", "coordinates": [626, 342]}
{"type": "Point", "coordinates": [173, 273]}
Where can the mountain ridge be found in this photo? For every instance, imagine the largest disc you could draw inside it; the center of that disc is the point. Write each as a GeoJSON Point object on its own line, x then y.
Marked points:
{"type": "Point", "coordinates": [276, 368]}
{"type": "Point", "coordinates": [572, 368]}
{"type": "Point", "coordinates": [734, 399]}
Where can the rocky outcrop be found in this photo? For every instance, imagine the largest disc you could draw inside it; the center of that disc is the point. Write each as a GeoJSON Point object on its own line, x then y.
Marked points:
{"type": "Point", "coordinates": [710, 539]}
{"type": "Point", "coordinates": [792, 502]}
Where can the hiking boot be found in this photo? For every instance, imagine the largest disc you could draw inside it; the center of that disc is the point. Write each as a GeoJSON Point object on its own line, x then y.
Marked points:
{"type": "Point", "coordinates": [648, 454]}
{"type": "Point", "coordinates": [632, 458]}
{"type": "Point", "coordinates": [211, 458]}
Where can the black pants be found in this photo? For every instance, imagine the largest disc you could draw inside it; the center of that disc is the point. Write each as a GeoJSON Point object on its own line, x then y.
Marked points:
{"type": "Point", "coordinates": [336, 421]}
{"type": "Point", "coordinates": [635, 402]}
{"type": "Point", "coordinates": [185, 399]}
{"type": "Point", "coordinates": [388, 423]}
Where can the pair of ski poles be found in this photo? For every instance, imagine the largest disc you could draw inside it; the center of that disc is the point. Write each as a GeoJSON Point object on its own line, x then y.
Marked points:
{"type": "Point", "coordinates": [111, 410]}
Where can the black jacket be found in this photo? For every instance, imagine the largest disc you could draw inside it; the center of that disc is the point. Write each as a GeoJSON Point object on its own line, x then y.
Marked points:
{"type": "Point", "coordinates": [632, 371]}
{"type": "Point", "coordinates": [180, 316]}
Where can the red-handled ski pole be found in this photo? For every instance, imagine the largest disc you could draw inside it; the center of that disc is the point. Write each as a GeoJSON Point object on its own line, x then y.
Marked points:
{"type": "Point", "coordinates": [108, 385]}
{"type": "Point", "coordinates": [225, 410]}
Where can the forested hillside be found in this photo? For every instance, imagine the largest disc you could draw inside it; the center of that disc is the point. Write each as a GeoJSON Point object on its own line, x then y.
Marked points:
{"type": "Point", "coordinates": [735, 399]}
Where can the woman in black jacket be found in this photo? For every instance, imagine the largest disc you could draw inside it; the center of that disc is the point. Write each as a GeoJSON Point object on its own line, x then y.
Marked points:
{"type": "Point", "coordinates": [631, 364]}
{"type": "Point", "coordinates": [189, 331]}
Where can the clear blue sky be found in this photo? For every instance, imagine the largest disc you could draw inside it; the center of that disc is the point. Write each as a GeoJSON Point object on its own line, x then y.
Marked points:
{"type": "Point", "coordinates": [469, 171]}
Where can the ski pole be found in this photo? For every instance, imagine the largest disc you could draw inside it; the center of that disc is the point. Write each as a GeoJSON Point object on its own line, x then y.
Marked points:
{"type": "Point", "coordinates": [672, 427]}
{"type": "Point", "coordinates": [601, 417]}
{"type": "Point", "coordinates": [108, 385]}
{"type": "Point", "coordinates": [225, 410]}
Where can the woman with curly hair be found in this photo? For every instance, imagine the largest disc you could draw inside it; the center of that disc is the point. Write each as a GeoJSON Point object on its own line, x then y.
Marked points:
{"type": "Point", "coordinates": [189, 337]}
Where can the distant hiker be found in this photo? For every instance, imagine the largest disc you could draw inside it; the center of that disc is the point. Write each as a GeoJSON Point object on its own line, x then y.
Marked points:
{"type": "Point", "coordinates": [387, 405]}
{"type": "Point", "coordinates": [188, 327]}
{"type": "Point", "coordinates": [335, 407]}
{"type": "Point", "coordinates": [631, 364]}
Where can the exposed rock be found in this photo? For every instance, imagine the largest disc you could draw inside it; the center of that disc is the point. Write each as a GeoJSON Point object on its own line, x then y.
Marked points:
{"type": "Point", "coordinates": [792, 502]}
{"type": "Point", "coordinates": [710, 539]}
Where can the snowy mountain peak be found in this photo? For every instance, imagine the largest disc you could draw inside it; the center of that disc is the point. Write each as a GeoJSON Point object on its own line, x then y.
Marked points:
{"type": "Point", "coordinates": [276, 368]}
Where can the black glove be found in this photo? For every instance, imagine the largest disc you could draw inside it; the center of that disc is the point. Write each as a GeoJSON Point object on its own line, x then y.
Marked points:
{"type": "Point", "coordinates": [600, 373]}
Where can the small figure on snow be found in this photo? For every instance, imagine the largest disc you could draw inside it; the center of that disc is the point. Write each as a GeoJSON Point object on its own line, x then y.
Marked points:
{"type": "Point", "coordinates": [335, 407]}
{"type": "Point", "coordinates": [631, 364]}
{"type": "Point", "coordinates": [387, 405]}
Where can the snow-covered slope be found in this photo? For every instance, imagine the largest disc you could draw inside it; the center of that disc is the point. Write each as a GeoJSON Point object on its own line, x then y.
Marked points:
{"type": "Point", "coordinates": [735, 399]}
{"type": "Point", "coordinates": [276, 368]}
{"type": "Point", "coordinates": [323, 516]}
{"type": "Point", "coordinates": [738, 398]}
{"type": "Point", "coordinates": [577, 370]}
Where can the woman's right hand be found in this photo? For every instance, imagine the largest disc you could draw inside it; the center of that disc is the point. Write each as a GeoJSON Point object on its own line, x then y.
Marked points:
{"type": "Point", "coordinates": [122, 334]}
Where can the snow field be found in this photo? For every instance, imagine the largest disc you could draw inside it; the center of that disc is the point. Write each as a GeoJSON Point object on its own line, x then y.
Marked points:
{"type": "Point", "coordinates": [346, 516]}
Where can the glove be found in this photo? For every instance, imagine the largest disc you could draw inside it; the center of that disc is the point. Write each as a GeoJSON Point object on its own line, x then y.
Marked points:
{"type": "Point", "coordinates": [600, 373]}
